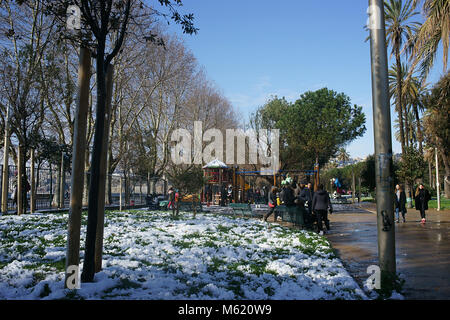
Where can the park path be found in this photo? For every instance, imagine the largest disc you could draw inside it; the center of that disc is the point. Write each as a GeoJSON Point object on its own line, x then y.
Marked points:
{"type": "Point", "coordinates": [423, 251]}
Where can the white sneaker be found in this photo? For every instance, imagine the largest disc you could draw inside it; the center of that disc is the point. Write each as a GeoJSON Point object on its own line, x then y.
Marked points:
{"type": "Point", "coordinates": [321, 233]}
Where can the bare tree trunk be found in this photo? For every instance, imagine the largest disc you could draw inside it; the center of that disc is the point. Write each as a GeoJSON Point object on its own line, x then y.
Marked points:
{"type": "Point", "coordinates": [33, 185]}
{"type": "Point", "coordinates": [62, 181]}
{"type": "Point", "coordinates": [86, 179]}
{"type": "Point", "coordinates": [446, 177]}
{"type": "Point", "coordinates": [353, 186]}
{"type": "Point", "coordinates": [93, 200]}
{"type": "Point", "coordinates": [78, 163]}
{"type": "Point", "coordinates": [19, 180]}
{"type": "Point", "coordinates": [430, 175]}
{"type": "Point", "coordinates": [419, 130]}
{"type": "Point", "coordinates": [5, 174]}
{"type": "Point", "coordinates": [103, 173]}
{"type": "Point", "coordinates": [400, 100]}
{"type": "Point", "coordinates": [56, 200]}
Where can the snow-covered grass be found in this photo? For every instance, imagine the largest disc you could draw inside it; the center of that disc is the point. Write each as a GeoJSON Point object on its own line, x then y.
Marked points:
{"type": "Point", "coordinates": [148, 255]}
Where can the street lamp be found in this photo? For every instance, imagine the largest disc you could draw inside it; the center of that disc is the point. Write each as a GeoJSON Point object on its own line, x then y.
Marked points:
{"type": "Point", "coordinates": [383, 142]}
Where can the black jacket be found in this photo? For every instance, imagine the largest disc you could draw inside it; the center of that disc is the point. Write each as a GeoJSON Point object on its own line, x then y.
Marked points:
{"type": "Point", "coordinates": [288, 196]}
{"type": "Point", "coordinates": [305, 195]}
{"type": "Point", "coordinates": [400, 204]}
{"type": "Point", "coordinates": [421, 200]}
{"type": "Point", "coordinates": [321, 201]}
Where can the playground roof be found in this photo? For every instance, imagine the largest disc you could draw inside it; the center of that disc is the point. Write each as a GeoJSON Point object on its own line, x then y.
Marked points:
{"type": "Point", "coordinates": [215, 164]}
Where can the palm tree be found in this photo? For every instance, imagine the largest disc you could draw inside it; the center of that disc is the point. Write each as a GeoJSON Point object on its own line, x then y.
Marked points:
{"type": "Point", "coordinates": [413, 92]}
{"type": "Point", "coordinates": [399, 30]}
{"type": "Point", "coordinates": [343, 155]}
{"type": "Point", "coordinates": [429, 157]}
{"type": "Point", "coordinates": [434, 30]}
{"type": "Point", "coordinates": [417, 90]}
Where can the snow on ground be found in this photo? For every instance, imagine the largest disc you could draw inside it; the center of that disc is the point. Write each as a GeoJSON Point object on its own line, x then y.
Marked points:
{"type": "Point", "coordinates": [148, 255]}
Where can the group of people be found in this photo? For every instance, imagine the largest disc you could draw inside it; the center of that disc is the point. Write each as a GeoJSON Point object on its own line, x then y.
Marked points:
{"type": "Point", "coordinates": [421, 198]}
{"type": "Point", "coordinates": [316, 205]}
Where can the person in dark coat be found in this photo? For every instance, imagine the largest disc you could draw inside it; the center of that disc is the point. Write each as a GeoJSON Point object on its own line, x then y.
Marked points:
{"type": "Point", "coordinates": [320, 205]}
{"type": "Point", "coordinates": [421, 199]}
{"type": "Point", "coordinates": [301, 197]}
{"type": "Point", "coordinates": [311, 190]}
{"type": "Point", "coordinates": [171, 205]}
{"type": "Point", "coordinates": [400, 203]}
{"type": "Point", "coordinates": [272, 203]}
{"type": "Point", "coordinates": [306, 196]}
{"type": "Point", "coordinates": [223, 196]}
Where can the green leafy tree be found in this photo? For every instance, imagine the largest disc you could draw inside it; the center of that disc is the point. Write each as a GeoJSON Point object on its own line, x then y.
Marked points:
{"type": "Point", "coordinates": [343, 155]}
{"type": "Point", "coordinates": [412, 166]}
{"type": "Point", "coordinates": [437, 124]}
{"type": "Point", "coordinates": [313, 128]}
{"type": "Point", "coordinates": [399, 31]}
{"type": "Point", "coordinates": [323, 121]}
{"type": "Point", "coordinates": [187, 180]}
{"type": "Point", "coordinates": [434, 30]}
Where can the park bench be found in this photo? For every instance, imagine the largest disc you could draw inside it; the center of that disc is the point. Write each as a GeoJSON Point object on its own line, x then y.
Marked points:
{"type": "Point", "coordinates": [189, 206]}
{"type": "Point", "coordinates": [244, 208]}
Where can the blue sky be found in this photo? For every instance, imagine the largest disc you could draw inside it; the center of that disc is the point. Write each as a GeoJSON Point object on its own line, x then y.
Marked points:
{"type": "Point", "coordinates": [254, 49]}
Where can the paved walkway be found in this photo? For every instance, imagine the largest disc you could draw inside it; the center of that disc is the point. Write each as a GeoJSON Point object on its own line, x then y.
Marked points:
{"type": "Point", "coordinates": [423, 251]}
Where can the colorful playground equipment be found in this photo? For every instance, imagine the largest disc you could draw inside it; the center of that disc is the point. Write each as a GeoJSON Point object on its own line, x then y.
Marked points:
{"type": "Point", "coordinates": [220, 178]}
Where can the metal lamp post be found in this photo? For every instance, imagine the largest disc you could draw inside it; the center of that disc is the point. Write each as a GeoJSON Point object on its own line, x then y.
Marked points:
{"type": "Point", "coordinates": [383, 142]}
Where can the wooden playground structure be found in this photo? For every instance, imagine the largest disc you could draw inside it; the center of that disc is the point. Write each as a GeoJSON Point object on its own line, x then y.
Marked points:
{"type": "Point", "coordinates": [219, 177]}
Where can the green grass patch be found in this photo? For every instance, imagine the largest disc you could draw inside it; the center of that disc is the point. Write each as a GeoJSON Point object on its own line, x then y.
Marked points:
{"type": "Point", "coordinates": [223, 229]}
{"type": "Point", "coordinates": [445, 204]}
{"type": "Point", "coordinates": [183, 244]}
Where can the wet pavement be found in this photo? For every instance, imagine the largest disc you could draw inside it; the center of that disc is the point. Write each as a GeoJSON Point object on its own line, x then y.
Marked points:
{"type": "Point", "coordinates": [423, 251]}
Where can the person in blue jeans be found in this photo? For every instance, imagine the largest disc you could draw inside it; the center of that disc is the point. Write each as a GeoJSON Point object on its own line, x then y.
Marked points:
{"type": "Point", "coordinates": [400, 203]}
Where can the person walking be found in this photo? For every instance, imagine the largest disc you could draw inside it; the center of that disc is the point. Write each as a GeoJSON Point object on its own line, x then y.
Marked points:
{"type": "Point", "coordinates": [230, 194]}
{"type": "Point", "coordinates": [288, 199]}
{"type": "Point", "coordinates": [171, 204]}
{"type": "Point", "coordinates": [272, 203]}
{"type": "Point", "coordinates": [306, 195]}
{"type": "Point", "coordinates": [421, 199]}
{"type": "Point", "coordinates": [400, 203]}
{"type": "Point", "coordinates": [320, 205]}
{"type": "Point", "coordinates": [305, 203]}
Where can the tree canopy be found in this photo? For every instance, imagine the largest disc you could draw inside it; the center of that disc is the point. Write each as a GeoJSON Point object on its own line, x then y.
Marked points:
{"type": "Point", "coordinates": [314, 127]}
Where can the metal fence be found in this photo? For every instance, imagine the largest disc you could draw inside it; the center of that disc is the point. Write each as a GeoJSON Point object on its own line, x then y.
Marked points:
{"type": "Point", "coordinates": [134, 189]}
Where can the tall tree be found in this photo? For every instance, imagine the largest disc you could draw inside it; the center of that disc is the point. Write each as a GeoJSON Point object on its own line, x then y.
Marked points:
{"type": "Point", "coordinates": [437, 124]}
{"type": "Point", "coordinates": [107, 22]}
{"type": "Point", "coordinates": [343, 155]}
{"type": "Point", "coordinates": [313, 128]}
{"type": "Point", "coordinates": [413, 92]}
{"type": "Point", "coordinates": [25, 36]}
{"type": "Point", "coordinates": [435, 30]}
{"type": "Point", "coordinates": [399, 30]}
